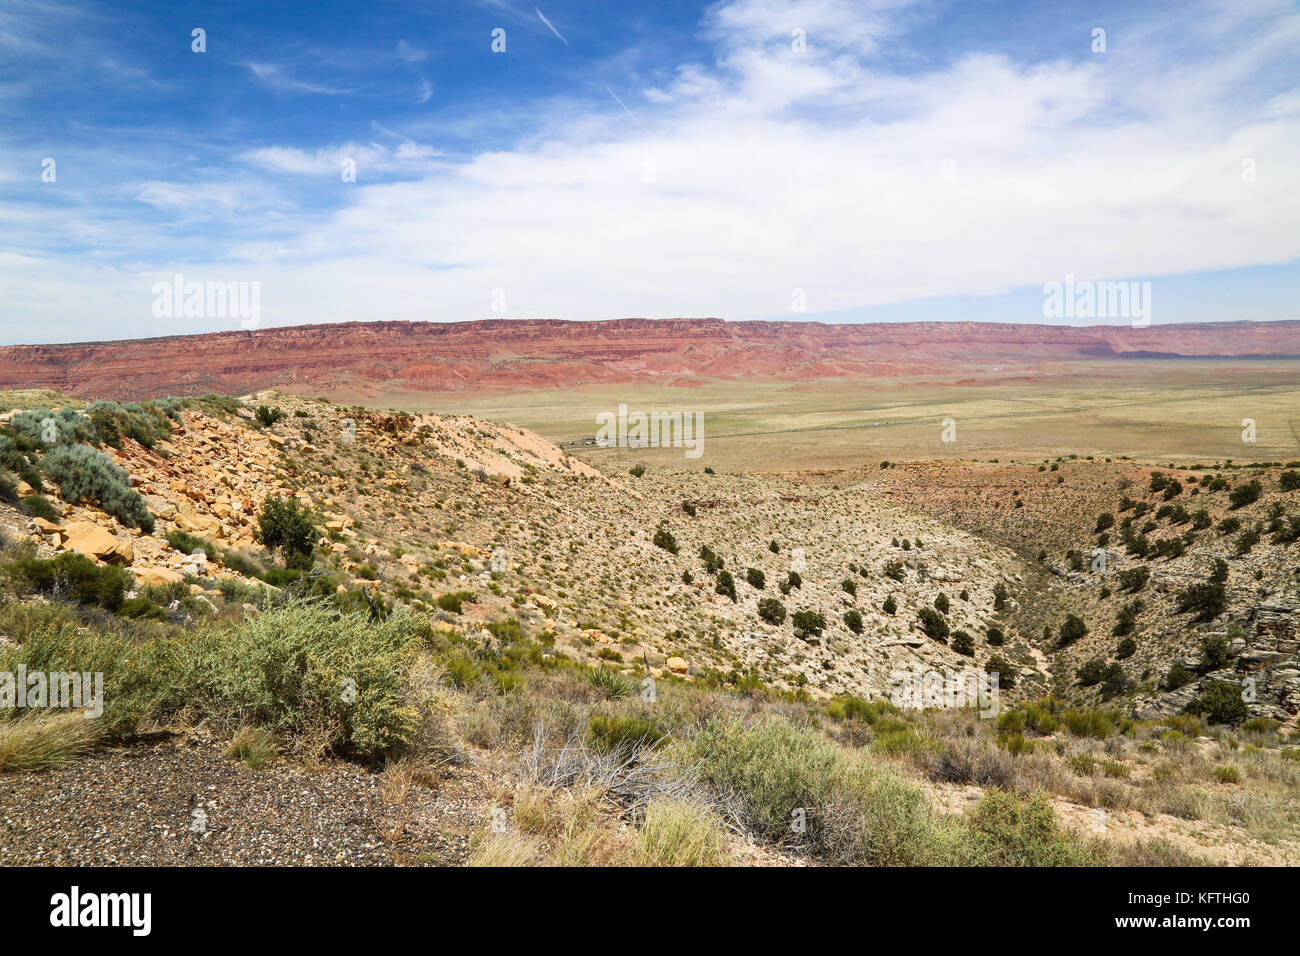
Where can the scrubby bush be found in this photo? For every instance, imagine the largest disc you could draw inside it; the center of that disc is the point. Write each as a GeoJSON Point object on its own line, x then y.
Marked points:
{"type": "Point", "coordinates": [610, 683]}
{"type": "Point", "coordinates": [42, 428]}
{"type": "Point", "coordinates": [267, 416]}
{"type": "Point", "coordinates": [726, 585]}
{"type": "Point", "coordinates": [889, 606]}
{"type": "Point", "coordinates": [1244, 495]}
{"type": "Point", "coordinates": [73, 576]}
{"type": "Point", "coordinates": [664, 539]}
{"type": "Point", "coordinates": [1091, 672]}
{"type": "Point", "coordinates": [997, 664]}
{"type": "Point", "coordinates": [454, 601]}
{"type": "Point", "coordinates": [1220, 702]}
{"type": "Point", "coordinates": [285, 526]}
{"type": "Point", "coordinates": [755, 578]}
{"type": "Point", "coordinates": [932, 622]}
{"type": "Point", "coordinates": [86, 475]}
{"type": "Point", "coordinates": [771, 610]}
{"type": "Point", "coordinates": [37, 506]}
{"type": "Point", "coordinates": [147, 422]}
{"type": "Point", "coordinates": [1207, 599]}
{"type": "Point", "coordinates": [1072, 630]}
{"type": "Point", "coordinates": [853, 621]}
{"type": "Point", "coordinates": [622, 733]}
{"type": "Point", "coordinates": [808, 624]}
{"type": "Point", "coordinates": [1114, 682]}
{"type": "Point", "coordinates": [963, 643]}
{"type": "Point", "coordinates": [768, 771]}
{"type": "Point", "coordinates": [1010, 830]}
{"type": "Point", "coordinates": [1178, 676]}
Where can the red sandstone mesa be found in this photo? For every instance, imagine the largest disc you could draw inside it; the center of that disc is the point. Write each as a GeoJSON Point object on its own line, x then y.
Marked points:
{"type": "Point", "coordinates": [363, 358]}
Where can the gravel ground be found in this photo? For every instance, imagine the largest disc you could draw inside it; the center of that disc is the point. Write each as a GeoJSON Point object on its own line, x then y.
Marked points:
{"type": "Point", "coordinates": [183, 802]}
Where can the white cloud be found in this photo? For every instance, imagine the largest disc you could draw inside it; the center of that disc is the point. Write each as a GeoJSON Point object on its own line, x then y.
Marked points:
{"type": "Point", "coordinates": [372, 160]}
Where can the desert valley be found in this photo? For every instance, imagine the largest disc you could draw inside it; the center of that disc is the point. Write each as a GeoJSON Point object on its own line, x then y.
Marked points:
{"type": "Point", "coordinates": [552, 650]}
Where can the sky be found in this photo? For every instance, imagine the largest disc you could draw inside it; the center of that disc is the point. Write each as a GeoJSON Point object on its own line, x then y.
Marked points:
{"type": "Point", "coordinates": [830, 160]}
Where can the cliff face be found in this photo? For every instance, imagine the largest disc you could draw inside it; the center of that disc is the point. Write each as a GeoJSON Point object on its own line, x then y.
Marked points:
{"type": "Point", "coordinates": [371, 357]}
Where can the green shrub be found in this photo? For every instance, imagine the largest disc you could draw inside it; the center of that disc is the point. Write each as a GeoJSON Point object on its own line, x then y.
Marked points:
{"type": "Point", "coordinates": [1092, 672]}
{"type": "Point", "coordinates": [889, 606]}
{"type": "Point", "coordinates": [808, 624]}
{"type": "Point", "coordinates": [1220, 702]}
{"type": "Point", "coordinates": [190, 543]}
{"type": "Point", "coordinates": [1134, 579]}
{"type": "Point", "coordinates": [266, 416]}
{"type": "Point", "coordinates": [726, 586]}
{"type": "Point", "coordinates": [771, 610]}
{"type": "Point", "coordinates": [142, 607]}
{"type": "Point", "coordinates": [963, 643]}
{"type": "Point", "coordinates": [1089, 722]}
{"type": "Point", "coordinates": [932, 622]}
{"type": "Point", "coordinates": [853, 621]}
{"type": "Point", "coordinates": [611, 684]}
{"type": "Point", "coordinates": [1244, 495]}
{"type": "Point", "coordinates": [664, 539]}
{"type": "Point", "coordinates": [74, 576]}
{"type": "Point", "coordinates": [285, 526]}
{"type": "Point", "coordinates": [1072, 630]}
{"type": "Point", "coordinates": [454, 601]}
{"type": "Point", "coordinates": [997, 664]}
{"type": "Point", "coordinates": [1178, 676]}
{"type": "Point", "coordinates": [42, 428]}
{"type": "Point", "coordinates": [1227, 774]}
{"type": "Point", "coordinates": [755, 578]}
{"type": "Point", "coordinates": [767, 771]}
{"type": "Point", "coordinates": [147, 423]}
{"type": "Point", "coordinates": [39, 507]}
{"type": "Point", "coordinates": [85, 475]}
{"type": "Point", "coordinates": [623, 734]}
{"type": "Point", "coordinates": [1009, 830]}
{"type": "Point", "coordinates": [1207, 600]}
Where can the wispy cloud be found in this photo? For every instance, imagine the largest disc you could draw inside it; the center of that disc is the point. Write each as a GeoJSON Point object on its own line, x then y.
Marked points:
{"type": "Point", "coordinates": [277, 77]}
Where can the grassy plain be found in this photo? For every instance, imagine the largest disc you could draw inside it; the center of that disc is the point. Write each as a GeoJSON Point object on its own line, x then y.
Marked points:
{"type": "Point", "coordinates": [1175, 410]}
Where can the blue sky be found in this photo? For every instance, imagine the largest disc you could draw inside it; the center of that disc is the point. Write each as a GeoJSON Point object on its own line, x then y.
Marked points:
{"type": "Point", "coordinates": [841, 160]}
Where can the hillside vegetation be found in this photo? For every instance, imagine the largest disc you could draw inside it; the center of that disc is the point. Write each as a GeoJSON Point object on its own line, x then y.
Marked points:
{"type": "Point", "coordinates": [500, 654]}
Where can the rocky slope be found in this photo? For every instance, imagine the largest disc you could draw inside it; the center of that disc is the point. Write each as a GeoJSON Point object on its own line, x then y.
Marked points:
{"type": "Point", "coordinates": [368, 358]}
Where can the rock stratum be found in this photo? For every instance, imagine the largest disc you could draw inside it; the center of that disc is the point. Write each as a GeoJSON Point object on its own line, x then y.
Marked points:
{"type": "Point", "coordinates": [370, 358]}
